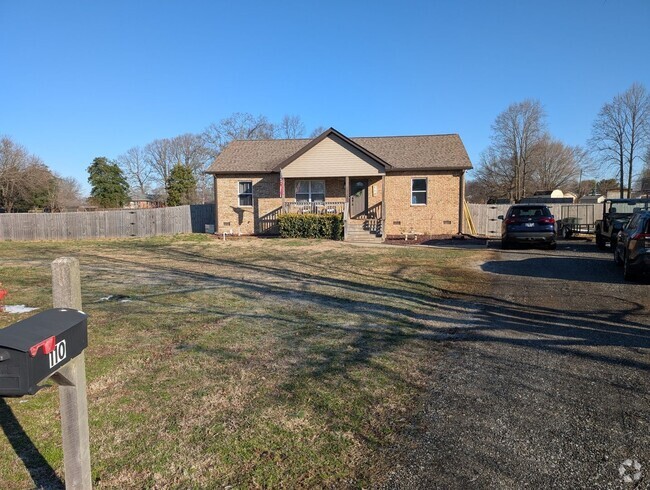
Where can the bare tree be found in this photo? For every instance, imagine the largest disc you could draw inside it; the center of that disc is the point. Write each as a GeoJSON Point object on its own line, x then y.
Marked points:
{"type": "Point", "coordinates": [159, 157]}
{"type": "Point", "coordinates": [494, 175]}
{"type": "Point", "coordinates": [620, 131]}
{"type": "Point", "coordinates": [68, 193]}
{"type": "Point", "coordinates": [637, 106]}
{"type": "Point", "coordinates": [24, 178]}
{"type": "Point", "coordinates": [137, 169]}
{"type": "Point", "coordinates": [189, 150]}
{"type": "Point", "coordinates": [238, 126]}
{"type": "Point", "coordinates": [317, 131]}
{"type": "Point", "coordinates": [643, 181]}
{"type": "Point", "coordinates": [515, 133]}
{"type": "Point", "coordinates": [13, 158]}
{"type": "Point", "coordinates": [554, 164]}
{"type": "Point", "coordinates": [291, 127]}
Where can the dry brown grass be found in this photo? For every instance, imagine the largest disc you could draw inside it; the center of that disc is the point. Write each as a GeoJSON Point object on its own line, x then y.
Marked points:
{"type": "Point", "coordinates": [253, 363]}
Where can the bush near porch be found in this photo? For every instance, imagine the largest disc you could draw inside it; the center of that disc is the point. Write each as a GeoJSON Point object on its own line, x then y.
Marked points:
{"type": "Point", "coordinates": [311, 226]}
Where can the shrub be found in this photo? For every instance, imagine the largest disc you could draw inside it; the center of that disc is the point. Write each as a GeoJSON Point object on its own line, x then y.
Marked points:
{"type": "Point", "coordinates": [311, 226]}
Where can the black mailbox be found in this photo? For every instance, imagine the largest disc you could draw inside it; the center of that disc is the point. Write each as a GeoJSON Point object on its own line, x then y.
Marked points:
{"type": "Point", "coordinates": [37, 347]}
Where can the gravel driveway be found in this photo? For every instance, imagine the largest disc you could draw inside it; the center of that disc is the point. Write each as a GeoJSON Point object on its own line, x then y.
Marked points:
{"type": "Point", "coordinates": [548, 385]}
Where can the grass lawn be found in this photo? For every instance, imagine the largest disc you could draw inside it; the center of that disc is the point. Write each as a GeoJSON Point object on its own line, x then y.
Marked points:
{"type": "Point", "coordinates": [250, 363]}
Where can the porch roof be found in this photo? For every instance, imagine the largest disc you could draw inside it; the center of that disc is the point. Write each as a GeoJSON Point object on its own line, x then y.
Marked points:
{"type": "Point", "coordinates": [395, 153]}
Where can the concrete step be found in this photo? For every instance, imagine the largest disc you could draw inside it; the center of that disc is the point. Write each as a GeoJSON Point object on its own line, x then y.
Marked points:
{"type": "Point", "coordinates": [364, 240]}
{"type": "Point", "coordinates": [360, 233]}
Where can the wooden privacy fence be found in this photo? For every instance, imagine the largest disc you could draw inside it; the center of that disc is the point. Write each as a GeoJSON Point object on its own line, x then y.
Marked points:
{"type": "Point", "coordinates": [106, 224]}
{"type": "Point", "coordinates": [487, 224]}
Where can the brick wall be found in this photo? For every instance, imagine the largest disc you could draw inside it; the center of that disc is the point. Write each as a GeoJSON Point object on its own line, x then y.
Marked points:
{"type": "Point", "coordinates": [438, 217]}
{"type": "Point", "coordinates": [440, 214]}
{"type": "Point", "coordinates": [247, 220]}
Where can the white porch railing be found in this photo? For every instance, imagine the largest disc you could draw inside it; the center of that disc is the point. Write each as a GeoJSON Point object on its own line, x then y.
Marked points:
{"type": "Point", "coordinates": [316, 207]}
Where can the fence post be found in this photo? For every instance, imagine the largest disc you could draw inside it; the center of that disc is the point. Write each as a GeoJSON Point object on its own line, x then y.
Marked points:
{"type": "Point", "coordinates": [66, 293]}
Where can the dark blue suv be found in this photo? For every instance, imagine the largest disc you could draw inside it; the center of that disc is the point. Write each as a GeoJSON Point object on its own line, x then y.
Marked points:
{"type": "Point", "coordinates": [633, 246]}
{"type": "Point", "coordinates": [528, 223]}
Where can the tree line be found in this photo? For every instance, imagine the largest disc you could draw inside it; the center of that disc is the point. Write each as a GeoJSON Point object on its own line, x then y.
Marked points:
{"type": "Point", "coordinates": [171, 170]}
{"type": "Point", "coordinates": [26, 183]}
{"type": "Point", "coordinates": [524, 157]}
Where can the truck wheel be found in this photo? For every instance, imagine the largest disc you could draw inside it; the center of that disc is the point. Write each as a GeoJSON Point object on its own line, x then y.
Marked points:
{"type": "Point", "coordinates": [601, 243]}
{"type": "Point", "coordinates": [613, 243]}
{"type": "Point", "coordinates": [566, 232]}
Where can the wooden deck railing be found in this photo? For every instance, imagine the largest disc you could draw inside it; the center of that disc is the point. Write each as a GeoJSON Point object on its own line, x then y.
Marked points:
{"type": "Point", "coordinates": [316, 207]}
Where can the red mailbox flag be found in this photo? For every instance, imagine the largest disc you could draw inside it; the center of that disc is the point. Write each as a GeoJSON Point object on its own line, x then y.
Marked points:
{"type": "Point", "coordinates": [3, 293]}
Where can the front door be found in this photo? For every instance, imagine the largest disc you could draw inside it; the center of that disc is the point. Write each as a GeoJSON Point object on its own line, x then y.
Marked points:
{"type": "Point", "coordinates": [358, 197]}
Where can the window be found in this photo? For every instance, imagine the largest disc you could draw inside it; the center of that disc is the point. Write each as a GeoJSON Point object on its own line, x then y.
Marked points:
{"type": "Point", "coordinates": [419, 192]}
{"type": "Point", "coordinates": [529, 211]}
{"type": "Point", "coordinates": [310, 190]}
{"type": "Point", "coordinates": [246, 193]}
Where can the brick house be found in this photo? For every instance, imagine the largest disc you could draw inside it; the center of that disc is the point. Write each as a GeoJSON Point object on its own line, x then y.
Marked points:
{"type": "Point", "coordinates": [383, 186]}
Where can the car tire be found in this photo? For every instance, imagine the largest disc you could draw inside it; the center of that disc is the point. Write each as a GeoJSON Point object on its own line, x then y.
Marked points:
{"type": "Point", "coordinates": [617, 258]}
{"type": "Point", "coordinates": [566, 232]}
{"type": "Point", "coordinates": [552, 246]}
{"type": "Point", "coordinates": [505, 245]}
{"type": "Point", "coordinates": [601, 243]}
{"type": "Point", "coordinates": [628, 274]}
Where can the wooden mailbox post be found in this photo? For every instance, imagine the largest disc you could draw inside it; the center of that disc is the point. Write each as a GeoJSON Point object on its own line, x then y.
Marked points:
{"type": "Point", "coordinates": [66, 293]}
{"type": "Point", "coordinates": [50, 345]}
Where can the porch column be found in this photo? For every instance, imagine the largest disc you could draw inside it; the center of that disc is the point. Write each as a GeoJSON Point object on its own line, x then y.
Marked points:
{"type": "Point", "coordinates": [283, 190]}
{"type": "Point", "coordinates": [347, 193]}
{"type": "Point", "coordinates": [383, 207]}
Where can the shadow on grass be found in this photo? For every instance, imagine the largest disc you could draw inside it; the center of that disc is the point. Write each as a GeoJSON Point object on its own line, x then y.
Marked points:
{"type": "Point", "coordinates": [399, 308]}
{"type": "Point", "coordinates": [42, 474]}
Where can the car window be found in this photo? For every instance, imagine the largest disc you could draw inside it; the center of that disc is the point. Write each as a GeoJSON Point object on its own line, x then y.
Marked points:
{"type": "Point", "coordinates": [631, 225]}
{"type": "Point", "coordinates": [627, 207]}
{"type": "Point", "coordinates": [530, 211]}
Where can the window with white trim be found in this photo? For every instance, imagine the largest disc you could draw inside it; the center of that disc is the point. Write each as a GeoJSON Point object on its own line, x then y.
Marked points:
{"type": "Point", "coordinates": [419, 192]}
{"type": "Point", "coordinates": [310, 190]}
{"type": "Point", "coordinates": [246, 193]}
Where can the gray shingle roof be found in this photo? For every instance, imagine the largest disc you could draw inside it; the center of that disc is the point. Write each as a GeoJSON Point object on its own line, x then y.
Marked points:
{"type": "Point", "coordinates": [431, 152]}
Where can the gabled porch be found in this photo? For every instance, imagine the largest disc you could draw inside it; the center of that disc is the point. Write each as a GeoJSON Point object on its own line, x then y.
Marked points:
{"type": "Point", "coordinates": [333, 174]}
{"type": "Point", "coordinates": [359, 200]}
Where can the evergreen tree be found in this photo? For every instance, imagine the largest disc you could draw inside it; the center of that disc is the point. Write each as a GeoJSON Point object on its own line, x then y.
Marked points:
{"type": "Point", "coordinates": [181, 185]}
{"type": "Point", "coordinates": [109, 187]}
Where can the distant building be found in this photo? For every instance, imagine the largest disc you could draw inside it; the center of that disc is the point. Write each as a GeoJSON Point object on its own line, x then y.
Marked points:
{"type": "Point", "coordinates": [597, 199]}
{"type": "Point", "coordinates": [143, 201]}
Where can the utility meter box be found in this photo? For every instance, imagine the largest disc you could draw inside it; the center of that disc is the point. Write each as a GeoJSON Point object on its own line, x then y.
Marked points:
{"type": "Point", "coordinates": [35, 348]}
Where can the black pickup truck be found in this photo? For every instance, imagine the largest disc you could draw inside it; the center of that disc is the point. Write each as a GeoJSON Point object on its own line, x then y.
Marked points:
{"type": "Point", "coordinates": [616, 214]}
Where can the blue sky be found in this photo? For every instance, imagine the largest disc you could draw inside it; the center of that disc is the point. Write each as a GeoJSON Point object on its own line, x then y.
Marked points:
{"type": "Point", "coordinates": [82, 79]}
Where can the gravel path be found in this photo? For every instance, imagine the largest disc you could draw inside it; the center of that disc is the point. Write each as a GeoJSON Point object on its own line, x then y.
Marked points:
{"type": "Point", "coordinates": [547, 387]}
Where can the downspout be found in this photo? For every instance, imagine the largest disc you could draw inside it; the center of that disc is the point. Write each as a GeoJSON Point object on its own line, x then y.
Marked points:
{"type": "Point", "coordinates": [383, 207]}
{"type": "Point", "coordinates": [346, 208]}
{"type": "Point", "coordinates": [461, 203]}
{"type": "Point", "coordinates": [216, 206]}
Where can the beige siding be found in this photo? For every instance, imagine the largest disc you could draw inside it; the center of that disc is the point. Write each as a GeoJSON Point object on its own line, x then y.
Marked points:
{"type": "Point", "coordinates": [440, 214]}
{"type": "Point", "coordinates": [332, 157]}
